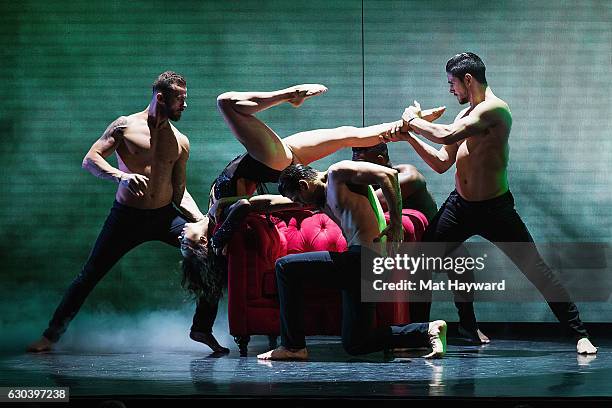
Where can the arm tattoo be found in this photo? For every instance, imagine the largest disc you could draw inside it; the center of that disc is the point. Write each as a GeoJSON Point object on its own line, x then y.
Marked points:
{"type": "Point", "coordinates": [116, 128]}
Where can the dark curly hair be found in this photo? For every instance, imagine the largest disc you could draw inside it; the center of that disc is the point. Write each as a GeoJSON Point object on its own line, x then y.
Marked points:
{"type": "Point", "coordinates": [164, 83]}
{"type": "Point", "coordinates": [289, 179]}
{"type": "Point", "coordinates": [204, 273]}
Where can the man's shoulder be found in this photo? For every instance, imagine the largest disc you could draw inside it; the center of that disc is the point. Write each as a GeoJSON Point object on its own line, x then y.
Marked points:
{"type": "Point", "coordinates": [341, 165]}
{"type": "Point", "coordinates": [181, 138]}
{"type": "Point", "coordinates": [130, 120]}
{"type": "Point", "coordinates": [493, 110]}
{"type": "Point", "coordinates": [494, 104]}
{"type": "Point", "coordinates": [179, 135]}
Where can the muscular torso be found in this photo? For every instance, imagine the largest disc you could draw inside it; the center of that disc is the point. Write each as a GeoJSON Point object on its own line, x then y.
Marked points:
{"type": "Point", "coordinates": [350, 208]}
{"type": "Point", "coordinates": [482, 162]}
{"type": "Point", "coordinates": [153, 157]}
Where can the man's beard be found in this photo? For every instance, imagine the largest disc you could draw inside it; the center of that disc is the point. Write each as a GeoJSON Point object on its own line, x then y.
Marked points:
{"type": "Point", "coordinates": [174, 116]}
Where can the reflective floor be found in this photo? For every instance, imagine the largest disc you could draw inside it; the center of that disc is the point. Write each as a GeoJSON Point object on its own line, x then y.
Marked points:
{"type": "Point", "coordinates": [510, 368]}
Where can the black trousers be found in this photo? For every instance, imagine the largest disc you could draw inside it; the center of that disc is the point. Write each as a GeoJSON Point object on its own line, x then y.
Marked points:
{"type": "Point", "coordinates": [497, 221]}
{"type": "Point", "coordinates": [125, 228]}
{"type": "Point", "coordinates": [340, 270]}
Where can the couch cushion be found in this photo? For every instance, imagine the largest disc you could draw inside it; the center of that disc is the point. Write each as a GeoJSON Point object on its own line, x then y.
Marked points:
{"type": "Point", "coordinates": [307, 232]}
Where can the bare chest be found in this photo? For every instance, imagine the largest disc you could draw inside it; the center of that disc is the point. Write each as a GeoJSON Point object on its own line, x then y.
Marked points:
{"type": "Point", "coordinates": [141, 149]}
{"type": "Point", "coordinates": [483, 149]}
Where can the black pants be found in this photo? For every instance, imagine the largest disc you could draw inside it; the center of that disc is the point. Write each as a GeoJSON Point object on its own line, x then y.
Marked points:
{"type": "Point", "coordinates": [464, 300]}
{"type": "Point", "coordinates": [497, 221]}
{"type": "Point", "coordinates": [125, 228]}
{"type": "Point", "coordinates": [340, 270]}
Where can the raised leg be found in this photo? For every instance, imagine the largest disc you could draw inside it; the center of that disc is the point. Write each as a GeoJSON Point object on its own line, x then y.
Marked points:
{"type": "Point", "coordinates": [313, 145]}
{"type": "Point", "coordinates": [239, 108]}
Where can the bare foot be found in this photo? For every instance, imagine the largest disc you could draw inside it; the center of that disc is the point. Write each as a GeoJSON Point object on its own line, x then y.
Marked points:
{"type": "Point", "coordinates": [585, 359]}
{"type": "Point", "coordinates": [306, 91]}
{"type": "Point", "coordinates": [474, 336]}
{"type": "Point", "coordinates": [40, 345]}
{"type": "Point", "coordinates": [432, 114]}
{"type": "Point", "coordinates": [437, 339]}
{"type": "Point", "coordinates": [584, 346]}
{"type": "Point", "coordinates": [281, 353]}
{"type": "Point", "coordinates": [209, 340]}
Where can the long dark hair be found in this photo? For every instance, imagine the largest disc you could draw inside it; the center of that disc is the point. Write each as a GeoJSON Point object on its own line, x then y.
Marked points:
{"type": "Point", "coordinates": [204, 273]}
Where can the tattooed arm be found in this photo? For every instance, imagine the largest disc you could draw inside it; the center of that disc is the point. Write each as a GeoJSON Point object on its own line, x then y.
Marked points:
{"type": "Point", "coordinates": [95, 159]}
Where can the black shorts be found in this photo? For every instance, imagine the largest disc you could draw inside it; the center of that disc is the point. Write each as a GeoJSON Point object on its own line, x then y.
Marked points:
{"type": "Point", "coordinates": [244, 166]}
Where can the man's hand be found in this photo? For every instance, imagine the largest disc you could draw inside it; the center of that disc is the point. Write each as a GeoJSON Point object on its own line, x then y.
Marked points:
{"type": "Point", "coordinates": [415, 111]}
{"type": "Point", "coordinates": [394, 236]}
{"type": "Point", "coordinates": [392, 134]}
{"type": "Point", "coordinates": [136, 183]}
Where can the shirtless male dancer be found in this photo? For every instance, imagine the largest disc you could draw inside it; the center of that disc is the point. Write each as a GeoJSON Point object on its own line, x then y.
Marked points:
{"type": "Point", "coordinates": [342, 193]}
{"type": "Point", "coordinates": [482, 204]}
{"type": "Point", "coordinates": [152, 156]}
{"type": "Point", "coordinates": [416, 196]}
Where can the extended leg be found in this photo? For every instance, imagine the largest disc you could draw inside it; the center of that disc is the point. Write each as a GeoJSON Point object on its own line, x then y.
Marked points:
{"type": "Point", "coordinates": [313, 145]}
{"type": "Point", "coordinates": [453, 226]}
{"type": "Point", "coordinates": [506, 228]}
{"type": "Point", "coordinates": [239, 108]}
{"type": "Point", "coordinates": [119, 234]}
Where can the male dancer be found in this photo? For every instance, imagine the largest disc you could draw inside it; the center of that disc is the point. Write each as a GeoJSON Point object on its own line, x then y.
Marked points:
{"type": "Point", "coordinates": [342, 193]}
{"type": "Point", "coordinates": [481, 203]}
{"type": "Point", "coordinates": [152, 156]}
{"type": "Point", "coordinates": [415, 195]}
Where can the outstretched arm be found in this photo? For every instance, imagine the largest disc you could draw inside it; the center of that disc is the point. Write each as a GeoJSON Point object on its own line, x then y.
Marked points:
{"type": "Point", "coordinates": [485, 115]}
{"type": "Point", "coordinates": [269, 203]}
{"type": "Point", "coordinates": [180, 196]}
{"type": "Point", "coordinates": [95, 160]}
{"type": "Point", "coordinates": [315, 144]}
{"type": "Point", "coordinates": [350, 172]}
{"type": "Point", "coordinates": [265, 203]}
{"type": "Point", "coordinates": [439, 160]}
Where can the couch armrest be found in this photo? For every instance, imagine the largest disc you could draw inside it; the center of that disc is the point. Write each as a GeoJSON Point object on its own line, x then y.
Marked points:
{"type": "Point", "coordinates": [252, 252]}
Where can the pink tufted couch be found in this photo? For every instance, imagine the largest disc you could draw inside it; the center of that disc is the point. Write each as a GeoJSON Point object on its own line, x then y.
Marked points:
{"type": "Point", "coordinates": [252, 253]}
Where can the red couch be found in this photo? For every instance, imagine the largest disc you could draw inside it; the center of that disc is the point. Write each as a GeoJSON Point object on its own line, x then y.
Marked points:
{"type": "Point", "coordinates": [252, 253]}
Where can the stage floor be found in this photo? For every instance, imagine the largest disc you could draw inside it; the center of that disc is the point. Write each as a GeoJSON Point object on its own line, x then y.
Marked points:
{"type": "Point", "coordinates": [506, 368]}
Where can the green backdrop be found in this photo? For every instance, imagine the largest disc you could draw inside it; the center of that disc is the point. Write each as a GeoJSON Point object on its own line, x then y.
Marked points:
{"type": "Point", "coordinates": [72, 67]}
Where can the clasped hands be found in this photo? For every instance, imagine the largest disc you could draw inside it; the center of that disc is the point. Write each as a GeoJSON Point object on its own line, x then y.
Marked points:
{"type": "Point", "coordinates": [399, 129]}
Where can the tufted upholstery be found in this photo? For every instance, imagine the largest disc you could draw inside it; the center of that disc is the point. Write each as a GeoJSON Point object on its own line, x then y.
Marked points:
{"type": "Point", "coordinates": [252, 295]}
